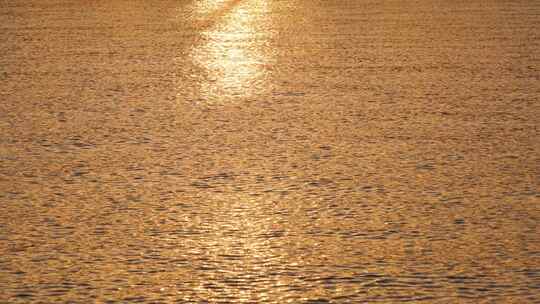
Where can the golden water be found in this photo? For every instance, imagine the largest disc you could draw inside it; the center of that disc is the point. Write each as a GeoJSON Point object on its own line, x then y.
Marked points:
{"type": "Point", "coordinates": [269, 151]}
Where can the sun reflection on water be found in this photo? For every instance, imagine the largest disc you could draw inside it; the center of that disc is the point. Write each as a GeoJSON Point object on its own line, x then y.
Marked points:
{"type": "Point", "coordinates": [233, 53]}
{"type": "Point", "coordinates": [239, 238]}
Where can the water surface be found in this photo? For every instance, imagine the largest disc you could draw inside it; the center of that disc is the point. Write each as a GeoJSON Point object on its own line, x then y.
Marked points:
{"type": "Point", "coordinates": [269, 151]}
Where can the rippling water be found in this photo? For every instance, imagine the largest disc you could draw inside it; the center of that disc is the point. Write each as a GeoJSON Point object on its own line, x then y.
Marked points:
{"type": "Point", "coordinates": [269, 151]}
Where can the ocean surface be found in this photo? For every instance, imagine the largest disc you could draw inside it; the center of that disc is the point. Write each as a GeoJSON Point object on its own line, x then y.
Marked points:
{"type": "Point", "coordinates": [269, 151]}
